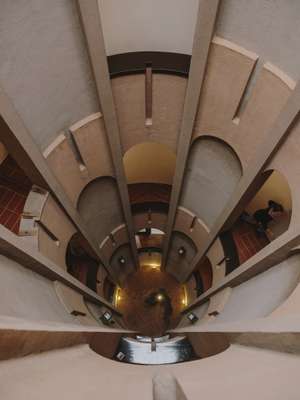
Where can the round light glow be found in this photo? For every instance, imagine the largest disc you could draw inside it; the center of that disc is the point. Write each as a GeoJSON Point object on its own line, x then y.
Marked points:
{"type": "Point", "coordinates": [159, 297]}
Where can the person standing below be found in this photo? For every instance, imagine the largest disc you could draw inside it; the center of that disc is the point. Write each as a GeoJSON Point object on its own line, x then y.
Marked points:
{"type": "Point", "coordinates": [264, 216]}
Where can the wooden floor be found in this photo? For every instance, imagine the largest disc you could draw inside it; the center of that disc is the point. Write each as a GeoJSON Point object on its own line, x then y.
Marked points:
{"type": "Point", "coordinates": [148, 320]}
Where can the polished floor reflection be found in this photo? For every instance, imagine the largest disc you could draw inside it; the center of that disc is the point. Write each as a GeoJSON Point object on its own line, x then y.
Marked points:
{"type": "Point", "coordinates": [151, 300]}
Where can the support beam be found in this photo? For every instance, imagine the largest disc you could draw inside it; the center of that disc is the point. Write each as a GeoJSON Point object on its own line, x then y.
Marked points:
{"type": "Point", "coordinates": [91, 21]}
{"type": "Point", "coordinates": [276, 252]}
{"type": "Point", "coordinates": [17, 249]}
{"type": "Point", "coordinates": [204, 30]}
{"type": "Point", "coordinates": [20, 144]}
{"type": "Point", "coordinates": [277, 134]}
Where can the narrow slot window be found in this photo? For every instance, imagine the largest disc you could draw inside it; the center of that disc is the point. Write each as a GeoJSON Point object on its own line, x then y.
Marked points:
{"type": "Point", "coordinates": [148, 94]}
{"type": "Point", "coordinates": [47, 231]}
{"type": "Point", "coordinates": [75, 150]}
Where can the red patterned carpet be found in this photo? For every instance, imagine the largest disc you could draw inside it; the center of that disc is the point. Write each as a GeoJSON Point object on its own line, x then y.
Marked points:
{"type": "Point", "coordinates": [14, 188]}
{"type": "Point", "coordinates": [247, 241]}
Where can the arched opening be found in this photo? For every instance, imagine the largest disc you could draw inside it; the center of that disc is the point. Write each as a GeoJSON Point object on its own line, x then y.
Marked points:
{"type": "Point", "coordinates": [264, 218]}
{"type": "Point", "coordinates": [149, 163]}
{"type": "Point", "coordinates": [100, 206]}
{"type": "Point", "coordinates": [149, 240]}
{"type": "Point", "coordinates": [212, 173]}
{"type": "Point", "coordinates": [149, 169]}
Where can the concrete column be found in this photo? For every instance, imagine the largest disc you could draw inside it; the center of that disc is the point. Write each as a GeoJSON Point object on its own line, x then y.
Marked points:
{"type": "Point", "coordinates": [204, 30]}
{"type": "Point", "coordinates": [91, 21]}
{"type": "Point", "coordinates": [277, 134]}
{"type": "Point", "coordinates": [20, 144]}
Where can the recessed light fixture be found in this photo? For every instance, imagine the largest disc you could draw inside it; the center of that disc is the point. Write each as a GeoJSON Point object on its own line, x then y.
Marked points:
{"type": "Point", "coordinates": [122, 260]}
{"type": "Point", "coordinates": [192, 318]}
{"type": "Point", "coordinates": [181, 251]}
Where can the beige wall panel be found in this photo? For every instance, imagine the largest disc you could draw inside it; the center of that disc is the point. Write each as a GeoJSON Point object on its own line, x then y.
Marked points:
{"type": "Point", "coordinates": [269, 95]}
{"type": "Point", "coordinates": [100, 207]}
{"type": "Point", "coordinates": [183, 223]}
{"type": "Point", "coordinates": [73, 301]}
{"type": "Point", "coordinates": [120, 236]}
{"type": "Point", "coordinates": [286, 161]}
{"type": "Point", "coordinates": [215, 254]}
{"type": "Point", "coordinates": [227, 74]}
{"type": "Point", "coordinates": [113, 250]}
{"type": "Point", "coordinates": [122, 270]}
{"type": "Point", "coordinates": [65, 167]}
{"type": "Point", "coordinates": [92, 143]}
{"type": "Point", "coordinates": [228, 71]}
{"type": "Point", "coordinates": [90, 137]}
{"type": "Point", "coordinates": [58, 223]}
{"type": "Point", "coordinates": [290, 306]}
{"type": "Point", "coordinates": [168, 99]}
{"type": "Point", "coordinates": [177, 264]}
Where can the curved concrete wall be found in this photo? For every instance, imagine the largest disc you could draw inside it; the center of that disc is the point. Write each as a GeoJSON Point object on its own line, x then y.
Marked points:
{"type": "Point", "coordinates": [100, 206]}
{"type": "Point", "coordinates": [262, 294]}
{"type": "Point", "coordinates": [89, 135]}
{"type": "Point", "coordinates": [167, 106]}
{"type": "Point", "coordinates": [44, 65]}
{"type": "Point", "coordinates": [27, 295]}
{"type": "Point", "coordinates": [137, 25]}
{"type": "Point", "coordinates": [231, 108]}
{"type": "Point", "coordinates": [57, 222]}
{"type": "Point", "coordinates": [178, 263]}
{"type": "Point", "coordinates": [286, 161]}
{"type": "Point", "coordinates": [270, 28]}
{"type": "Point", "coordinates": [122, 270]}
{"type": "Point", "coordinates": [140, 25]}
{"type": "Point", "coordinates": [212, 173]}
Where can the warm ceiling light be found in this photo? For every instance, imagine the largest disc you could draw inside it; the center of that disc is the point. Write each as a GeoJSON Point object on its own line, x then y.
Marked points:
{"type": "Point", "coordinates": [159, 297]}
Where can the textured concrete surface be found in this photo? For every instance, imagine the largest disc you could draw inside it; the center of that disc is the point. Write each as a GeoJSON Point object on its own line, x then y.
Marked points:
{"type": "Point", "coordinates": [99, 205]}
{"type": "Point", "coordinates": [79, 373]}
{"type": "Point", "coordinates": [212, 173]}
{"type": "Point", "coordinates": [44, 65]}
{"type": "Point", "coordinates": [270, 28]}
{"type": "Point", "coordinates": [25, 294]}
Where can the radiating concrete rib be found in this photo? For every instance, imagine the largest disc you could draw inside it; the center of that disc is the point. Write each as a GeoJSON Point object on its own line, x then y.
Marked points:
{"type": "Point", "coordinates": [202, 38]}
{"type": "Point", "coordinates": [271, 255]}
{"type": "Point", "coordinates": [277, 134]}
{"type": "Point", "coordinates": [17, 249]}
{"type": "Point", "coordinates": [91, 20]}
{"type": "Point", "coordinates": [20, 144]}
{"type": "Point", "coordinates": [167, 387]}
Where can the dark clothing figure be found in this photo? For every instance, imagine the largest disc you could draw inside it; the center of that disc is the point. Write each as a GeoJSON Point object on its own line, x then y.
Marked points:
{"type": "Point", "coordinates": [265, 215]}
{"type": "Point", "coordinates": [263, 218]}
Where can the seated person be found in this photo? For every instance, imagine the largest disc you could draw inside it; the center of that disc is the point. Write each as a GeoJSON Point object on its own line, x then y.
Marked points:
{"type": "Point", "coordinates": [264, 216]}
